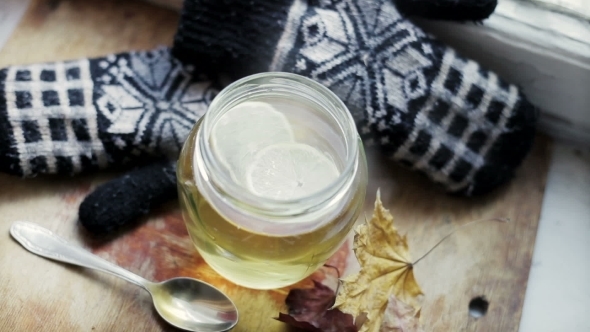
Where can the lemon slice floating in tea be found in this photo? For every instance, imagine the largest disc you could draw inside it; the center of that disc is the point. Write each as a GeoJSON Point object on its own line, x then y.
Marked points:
{"type": "Point", "coordinates": [290, 171]}
{"type": "Point", "coordinates": [243, 131]}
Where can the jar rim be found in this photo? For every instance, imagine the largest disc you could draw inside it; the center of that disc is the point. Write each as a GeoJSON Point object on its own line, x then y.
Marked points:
{"type": "Point", "coordinates": [281, 207]}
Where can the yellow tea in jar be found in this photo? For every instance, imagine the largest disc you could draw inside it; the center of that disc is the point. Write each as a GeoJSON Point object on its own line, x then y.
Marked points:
{"type": "Point", "coordinates": [271, 180]}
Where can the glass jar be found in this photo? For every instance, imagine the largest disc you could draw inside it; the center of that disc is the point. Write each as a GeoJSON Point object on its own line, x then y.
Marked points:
{"type": "Point", "coordinates": [268, 242]}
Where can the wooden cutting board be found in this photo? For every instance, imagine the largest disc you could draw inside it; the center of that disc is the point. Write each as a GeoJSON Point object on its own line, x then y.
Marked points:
{"type": "Point", "coordinates": [490, 260]}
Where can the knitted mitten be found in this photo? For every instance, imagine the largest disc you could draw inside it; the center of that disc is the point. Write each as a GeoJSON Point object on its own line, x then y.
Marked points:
{"type": "Point", "coordinates": [425, 105]}
{"type": "Point", "coordinates": [74, 116]}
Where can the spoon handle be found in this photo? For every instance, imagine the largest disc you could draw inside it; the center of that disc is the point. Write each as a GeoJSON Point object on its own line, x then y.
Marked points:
{"type": "Point", "coordinates": [43, 242]}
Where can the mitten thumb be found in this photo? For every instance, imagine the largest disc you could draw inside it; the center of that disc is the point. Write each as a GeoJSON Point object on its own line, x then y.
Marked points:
{"type": "Point", "coordinates": [120, 202]}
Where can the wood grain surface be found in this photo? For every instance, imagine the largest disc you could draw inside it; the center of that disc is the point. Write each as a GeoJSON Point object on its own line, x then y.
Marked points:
{"type": "Point", "coordinates": [491, 260]}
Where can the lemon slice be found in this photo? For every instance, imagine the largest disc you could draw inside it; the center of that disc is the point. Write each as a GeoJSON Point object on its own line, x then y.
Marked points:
{"type": "Point", "coordinates": [290, 171]}
{"type": "Point", "coordinates": [243, 131]}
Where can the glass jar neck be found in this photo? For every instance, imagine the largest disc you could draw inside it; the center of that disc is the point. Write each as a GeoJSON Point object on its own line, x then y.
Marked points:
{"type": "Point", "coordinates": [277, 84]}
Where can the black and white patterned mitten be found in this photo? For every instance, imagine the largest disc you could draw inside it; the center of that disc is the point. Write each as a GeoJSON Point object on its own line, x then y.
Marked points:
{"type": "Point", "coordinates": [425, 105]}
{"type": "Point", "coordinates": [75, 116]}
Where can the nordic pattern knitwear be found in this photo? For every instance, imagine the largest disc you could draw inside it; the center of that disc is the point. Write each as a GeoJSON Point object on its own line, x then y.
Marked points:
{"type": "Point", "coordinates": [74, 116]}
{"type": "Point", "coordinates": [422, 103]}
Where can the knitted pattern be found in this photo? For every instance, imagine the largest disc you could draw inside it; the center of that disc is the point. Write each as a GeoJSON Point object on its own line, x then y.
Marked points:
{"type": "Point", "coordinates": [74, 116]}
{"type": "Point", "coordinates": [422, 103]}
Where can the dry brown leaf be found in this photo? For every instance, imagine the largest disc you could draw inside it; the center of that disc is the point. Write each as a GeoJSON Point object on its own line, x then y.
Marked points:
{"type": "Point", "coordinates": [386, 268]}
{"type": "Point", "coordinates": [400, 317]}
{"type": "Point", "coordinates": [309, 310]}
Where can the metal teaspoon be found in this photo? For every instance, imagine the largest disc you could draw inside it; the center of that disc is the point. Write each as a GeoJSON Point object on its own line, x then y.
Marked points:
{"type": "Point", "coordinates": [186, 303]}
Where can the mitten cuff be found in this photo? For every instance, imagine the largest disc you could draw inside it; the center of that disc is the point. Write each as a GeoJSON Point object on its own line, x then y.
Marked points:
{"type": "Point", "coordinates": [74, 116]}
{"type": "Point", "coordinates": [232, 36]}
{"type": "Point", "coordinates": [47, 119]}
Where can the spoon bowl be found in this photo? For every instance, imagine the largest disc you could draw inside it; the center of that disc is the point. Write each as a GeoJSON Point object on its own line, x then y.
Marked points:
{"type": "Point", "coordinates": [193, 305]}
{"type": "Point", "coordinates": [186, 303]}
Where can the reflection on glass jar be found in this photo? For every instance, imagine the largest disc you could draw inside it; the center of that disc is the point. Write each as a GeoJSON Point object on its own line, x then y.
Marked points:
{"type": "Point", "coordinates": [272, 179]}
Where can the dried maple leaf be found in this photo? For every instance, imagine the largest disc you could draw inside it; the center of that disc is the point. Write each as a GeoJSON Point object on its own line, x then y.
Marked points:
{"type": "Point", "coordinates": [386, 269]}
{"type": "Point", "coordinates": [400, 317]}
{"type": "Point", "coordinates": [309, 310]}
